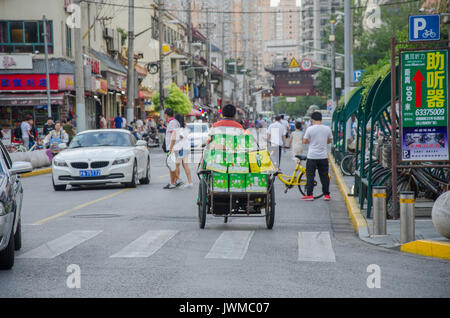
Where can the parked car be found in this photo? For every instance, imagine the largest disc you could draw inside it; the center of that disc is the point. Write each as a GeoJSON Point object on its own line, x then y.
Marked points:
{"type": "Point", "coordinates": [198, 135]}
{"type": "Point", "coordinates": [102, 156]}
{"type": "Point", "coordinates": [11, 194]}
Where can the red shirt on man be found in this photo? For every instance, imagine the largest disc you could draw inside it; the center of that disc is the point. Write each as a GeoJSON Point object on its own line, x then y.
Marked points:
{"type": "Point", "coordinates": [227, 123]}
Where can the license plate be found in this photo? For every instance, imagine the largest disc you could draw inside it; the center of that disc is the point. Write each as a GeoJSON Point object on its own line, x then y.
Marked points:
{"type": "Point", "coordinates": [90, 173]}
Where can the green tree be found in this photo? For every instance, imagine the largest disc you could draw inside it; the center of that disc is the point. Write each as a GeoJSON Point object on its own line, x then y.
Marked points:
{"type": "Point", "coordinates": [123, 35]}
{"type": "Point", "coordinates": [299, 107]}
{"type": "Point", "coordinates": [176, 100]}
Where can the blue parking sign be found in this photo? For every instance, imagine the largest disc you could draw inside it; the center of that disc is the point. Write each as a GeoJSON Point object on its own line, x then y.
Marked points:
{"type": "Point", "coordinates": [424, 27]}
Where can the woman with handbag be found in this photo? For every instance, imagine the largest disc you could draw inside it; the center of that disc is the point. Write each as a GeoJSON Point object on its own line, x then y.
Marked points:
{"type": "Point", "coordinates": [181, 147]}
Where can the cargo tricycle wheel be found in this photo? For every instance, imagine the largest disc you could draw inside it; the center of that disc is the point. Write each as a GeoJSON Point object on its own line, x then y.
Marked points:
{"type": "Point", "coordinates": [202, 204]}
{"type": "Point", "coordinates": [270, 208]}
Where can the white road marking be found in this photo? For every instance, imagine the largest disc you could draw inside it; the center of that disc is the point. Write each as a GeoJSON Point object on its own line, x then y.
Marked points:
{"type": "Point", "coordinates": [146, 245]}
{"type": "Point", "coordinates": [60, 245]}
{"type": "Point", "coordinates": [231, 245]}
{"type": "Point", "coordinates": [315, 247]}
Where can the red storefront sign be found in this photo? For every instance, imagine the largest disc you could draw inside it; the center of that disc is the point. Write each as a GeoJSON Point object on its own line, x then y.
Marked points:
{"type": "Point", "coordinates": [27, 82]}
{"type": "Point", "coordinates": [93, 62]}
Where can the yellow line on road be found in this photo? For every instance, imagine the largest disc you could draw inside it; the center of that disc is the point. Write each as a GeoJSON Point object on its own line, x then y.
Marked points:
{"type": "Point", "coordinates": [78, 207]}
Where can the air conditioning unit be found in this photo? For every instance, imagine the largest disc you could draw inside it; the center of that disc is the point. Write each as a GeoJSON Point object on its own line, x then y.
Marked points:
{"type": "Point", "coordinates": [108, 33]}
{"type": "Point", "coordinates": [117, 42]}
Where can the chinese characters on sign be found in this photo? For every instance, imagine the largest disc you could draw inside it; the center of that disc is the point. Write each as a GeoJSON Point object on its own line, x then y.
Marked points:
{"type": "Point", "coordinates": [27, 82]}
{"type": "Point", "coordinates": [425, 105]}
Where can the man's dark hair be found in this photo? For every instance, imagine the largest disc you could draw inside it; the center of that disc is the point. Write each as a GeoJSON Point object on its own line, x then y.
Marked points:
{"type": "Point", "coordinates": [277, 117]}
{"type": "Point", "coordinates": [282, 116]}
{"type": "Point", "coordinates": [49, 118]}
{"type": "Point", "coordinates": [228, 111]}
{"type": "Point", "coordinates": [298, 125]}
{"type": "Point", "coordinates": [169, 112]}
{"type": "Point", "coordinates": [316, 116]}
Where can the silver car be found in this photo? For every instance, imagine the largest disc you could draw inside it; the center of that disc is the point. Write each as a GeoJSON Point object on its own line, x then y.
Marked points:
{"type": "Point", "coordinates": [11, 194]}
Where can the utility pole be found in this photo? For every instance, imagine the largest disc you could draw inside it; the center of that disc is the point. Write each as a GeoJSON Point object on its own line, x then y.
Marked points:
{"type": "Point", "coordinates": [208, 60]}
{"type": "Point", "coordinates": [191, 59]}
{"type": "Point", "coordinates": [223, 62]}
{"type": "Point", "coordinates": [79, 77]}
{"type": "Point", "coordinates": [49, 104]}
{"type": "Point", "coordinates": [130, 73]}
{"type": "Point", "coordinates": [333, 63]}
{"type": "Point", "coordinates": [348, 48]}
{"type": "Point", "coordinates": [161, 55]}
{"type": "Point", "coordinates": [235, 72]}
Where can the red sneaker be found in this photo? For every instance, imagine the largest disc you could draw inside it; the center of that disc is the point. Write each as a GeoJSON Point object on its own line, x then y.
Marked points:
{"type": "Point", "coordinates": [327, 197]}
{"type": "Point", "coordinates": [308, 198]}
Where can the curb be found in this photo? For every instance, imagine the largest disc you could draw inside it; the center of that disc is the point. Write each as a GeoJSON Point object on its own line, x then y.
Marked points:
{"type": "Point", "coordinates": [358, 221]}
{"type": "Point", "coordinates": [428, 248]}
{"type": "Point", "coordinates": [36, 172]}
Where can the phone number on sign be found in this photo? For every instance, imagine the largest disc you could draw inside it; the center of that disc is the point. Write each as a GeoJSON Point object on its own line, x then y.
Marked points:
{"type": "Point", "coordinates": [430, 112]}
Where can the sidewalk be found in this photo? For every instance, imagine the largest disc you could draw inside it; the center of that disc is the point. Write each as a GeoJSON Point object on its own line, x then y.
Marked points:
{"type": "Point", "coordinates": [428, 240]}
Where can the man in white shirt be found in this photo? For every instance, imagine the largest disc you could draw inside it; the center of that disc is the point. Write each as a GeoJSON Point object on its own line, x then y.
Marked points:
{"type": "Point", "coordinates": [286, 125]}
{"type": "Point", "coordinates": [172, 125]}
{"type": "Point", "coordinates": [318, 137]}
{"type": "Point", "coordinates": [276, 138]}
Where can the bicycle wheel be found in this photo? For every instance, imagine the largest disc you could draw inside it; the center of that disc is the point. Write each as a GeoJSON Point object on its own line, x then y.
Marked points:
{"type": "Point", "coordinates": [317, 190]}
{"type": "Point", "coordinates": [348, 165]}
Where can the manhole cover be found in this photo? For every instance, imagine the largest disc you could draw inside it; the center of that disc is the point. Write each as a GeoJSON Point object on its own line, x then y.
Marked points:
{"type": "Point", "coordinates": [96, 216]}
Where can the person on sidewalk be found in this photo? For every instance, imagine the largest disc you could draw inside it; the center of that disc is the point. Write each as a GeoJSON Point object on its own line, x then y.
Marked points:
{"type": "Point", "coordinates": [25, 127]}
{"type": "Point", "coordinates": [118, 121]}
{"type": "Point", "coordinates": [49, 126]}
{"type": "Point", "coordinates": [318, 137]}
{"type": "Point", "coordinates": [296, 140]}
{"type": "Point", "coordinates": [181, 146]}
{"type": "Point", "coordinates": [172, 125]}
{"type": "Point", "coordinates": [276, 138]}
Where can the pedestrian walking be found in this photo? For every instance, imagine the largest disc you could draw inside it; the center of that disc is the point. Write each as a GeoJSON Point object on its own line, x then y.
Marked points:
{"type": "Point", "coordinates": [102, 122]}
{"type": "Point", "coordinates": [181, 146]}
{"type": "Point", "coordinates": [318, 137]}
{"type": "Point", "coordinates": [172, 125]}
{"type": "Point", "coordinates": [118, 121]}
{"type": "Point", "coordinates": [25, 128]}
{"type": "Point", "coordinates": [296, 140]}
{"type": "Point", "coordinates": [124, 122]}
{"type": "Point", "coordinates": [276, 137]}
{"type": "Point", "coordinates": [161, 131]}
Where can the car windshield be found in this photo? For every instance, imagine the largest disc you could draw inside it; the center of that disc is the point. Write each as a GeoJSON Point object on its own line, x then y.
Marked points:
{"type": "Point", "coordinates": [198, 128]}
{"type": "Point", "coordinates": [102, 138]}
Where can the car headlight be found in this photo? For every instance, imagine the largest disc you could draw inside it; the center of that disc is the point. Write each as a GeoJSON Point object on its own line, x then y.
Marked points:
{"type": "Point", "coordinates": [121, 161]}
{"type": "Point", "coordinates": [2, 209]}
{"type": "Point", "coordinates": [59, 163]}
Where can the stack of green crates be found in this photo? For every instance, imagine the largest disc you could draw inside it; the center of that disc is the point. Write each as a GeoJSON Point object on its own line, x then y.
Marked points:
{"type": "Point", "coordinates": [231, 168]}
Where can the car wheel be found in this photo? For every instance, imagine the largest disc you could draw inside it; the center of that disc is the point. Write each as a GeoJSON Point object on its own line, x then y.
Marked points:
{"type": "Point", "coordinates": [18, 237]}
{"type": "Point", "coordinates": [146, 180]}
{"type": "Point", "coordinates": [132, 184]}
{"type": "Point", "coordinates": [61, 187]}
{"type": "Point", "coordinates": [7, 255]}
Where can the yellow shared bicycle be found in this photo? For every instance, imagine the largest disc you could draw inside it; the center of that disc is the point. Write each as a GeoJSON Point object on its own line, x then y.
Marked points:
{"type": "Point", "coordinates": [298, 178]}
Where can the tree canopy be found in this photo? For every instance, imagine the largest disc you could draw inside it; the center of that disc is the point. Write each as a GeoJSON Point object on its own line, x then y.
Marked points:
{"type": "Point", "coordinates": [176, 100]}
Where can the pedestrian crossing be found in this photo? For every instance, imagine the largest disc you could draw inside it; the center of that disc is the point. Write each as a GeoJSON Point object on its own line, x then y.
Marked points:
{"type": "Point", "coordinates": [229, 245]}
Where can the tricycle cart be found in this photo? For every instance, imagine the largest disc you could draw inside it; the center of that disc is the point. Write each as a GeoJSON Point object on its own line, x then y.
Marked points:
{"type": "Point", "coordinates": [234, 204]}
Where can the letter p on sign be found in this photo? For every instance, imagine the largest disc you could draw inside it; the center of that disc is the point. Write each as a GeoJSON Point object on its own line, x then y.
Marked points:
{"type": "Point", "coordinates": [419, 25]}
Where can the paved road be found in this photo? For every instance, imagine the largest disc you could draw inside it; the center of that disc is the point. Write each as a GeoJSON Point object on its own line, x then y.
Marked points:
{"type": "Point", "coordinates": [145, 242]}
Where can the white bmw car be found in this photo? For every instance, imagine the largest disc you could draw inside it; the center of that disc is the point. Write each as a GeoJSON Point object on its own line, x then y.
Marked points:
{"type": "Point", "coordinates": [100, 157]}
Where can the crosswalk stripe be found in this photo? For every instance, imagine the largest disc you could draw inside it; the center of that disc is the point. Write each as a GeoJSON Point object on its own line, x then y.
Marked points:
{"type": "Point", "coordinates": [60, 245]}
{"type": "Point", "coordinates": [231, 245]}
{"type": "Point", "coordinates": [146, 245]}
{"type": "Point", "coordinates": [315, 247]}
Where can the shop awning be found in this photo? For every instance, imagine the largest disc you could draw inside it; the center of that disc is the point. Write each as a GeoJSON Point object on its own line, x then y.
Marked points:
{"type": "Point", "coordinates": [109, 62]}
{"type": "Point", "coordinates": [30, 99]}
{"type": "Point", "coordinates": [195, 112]}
